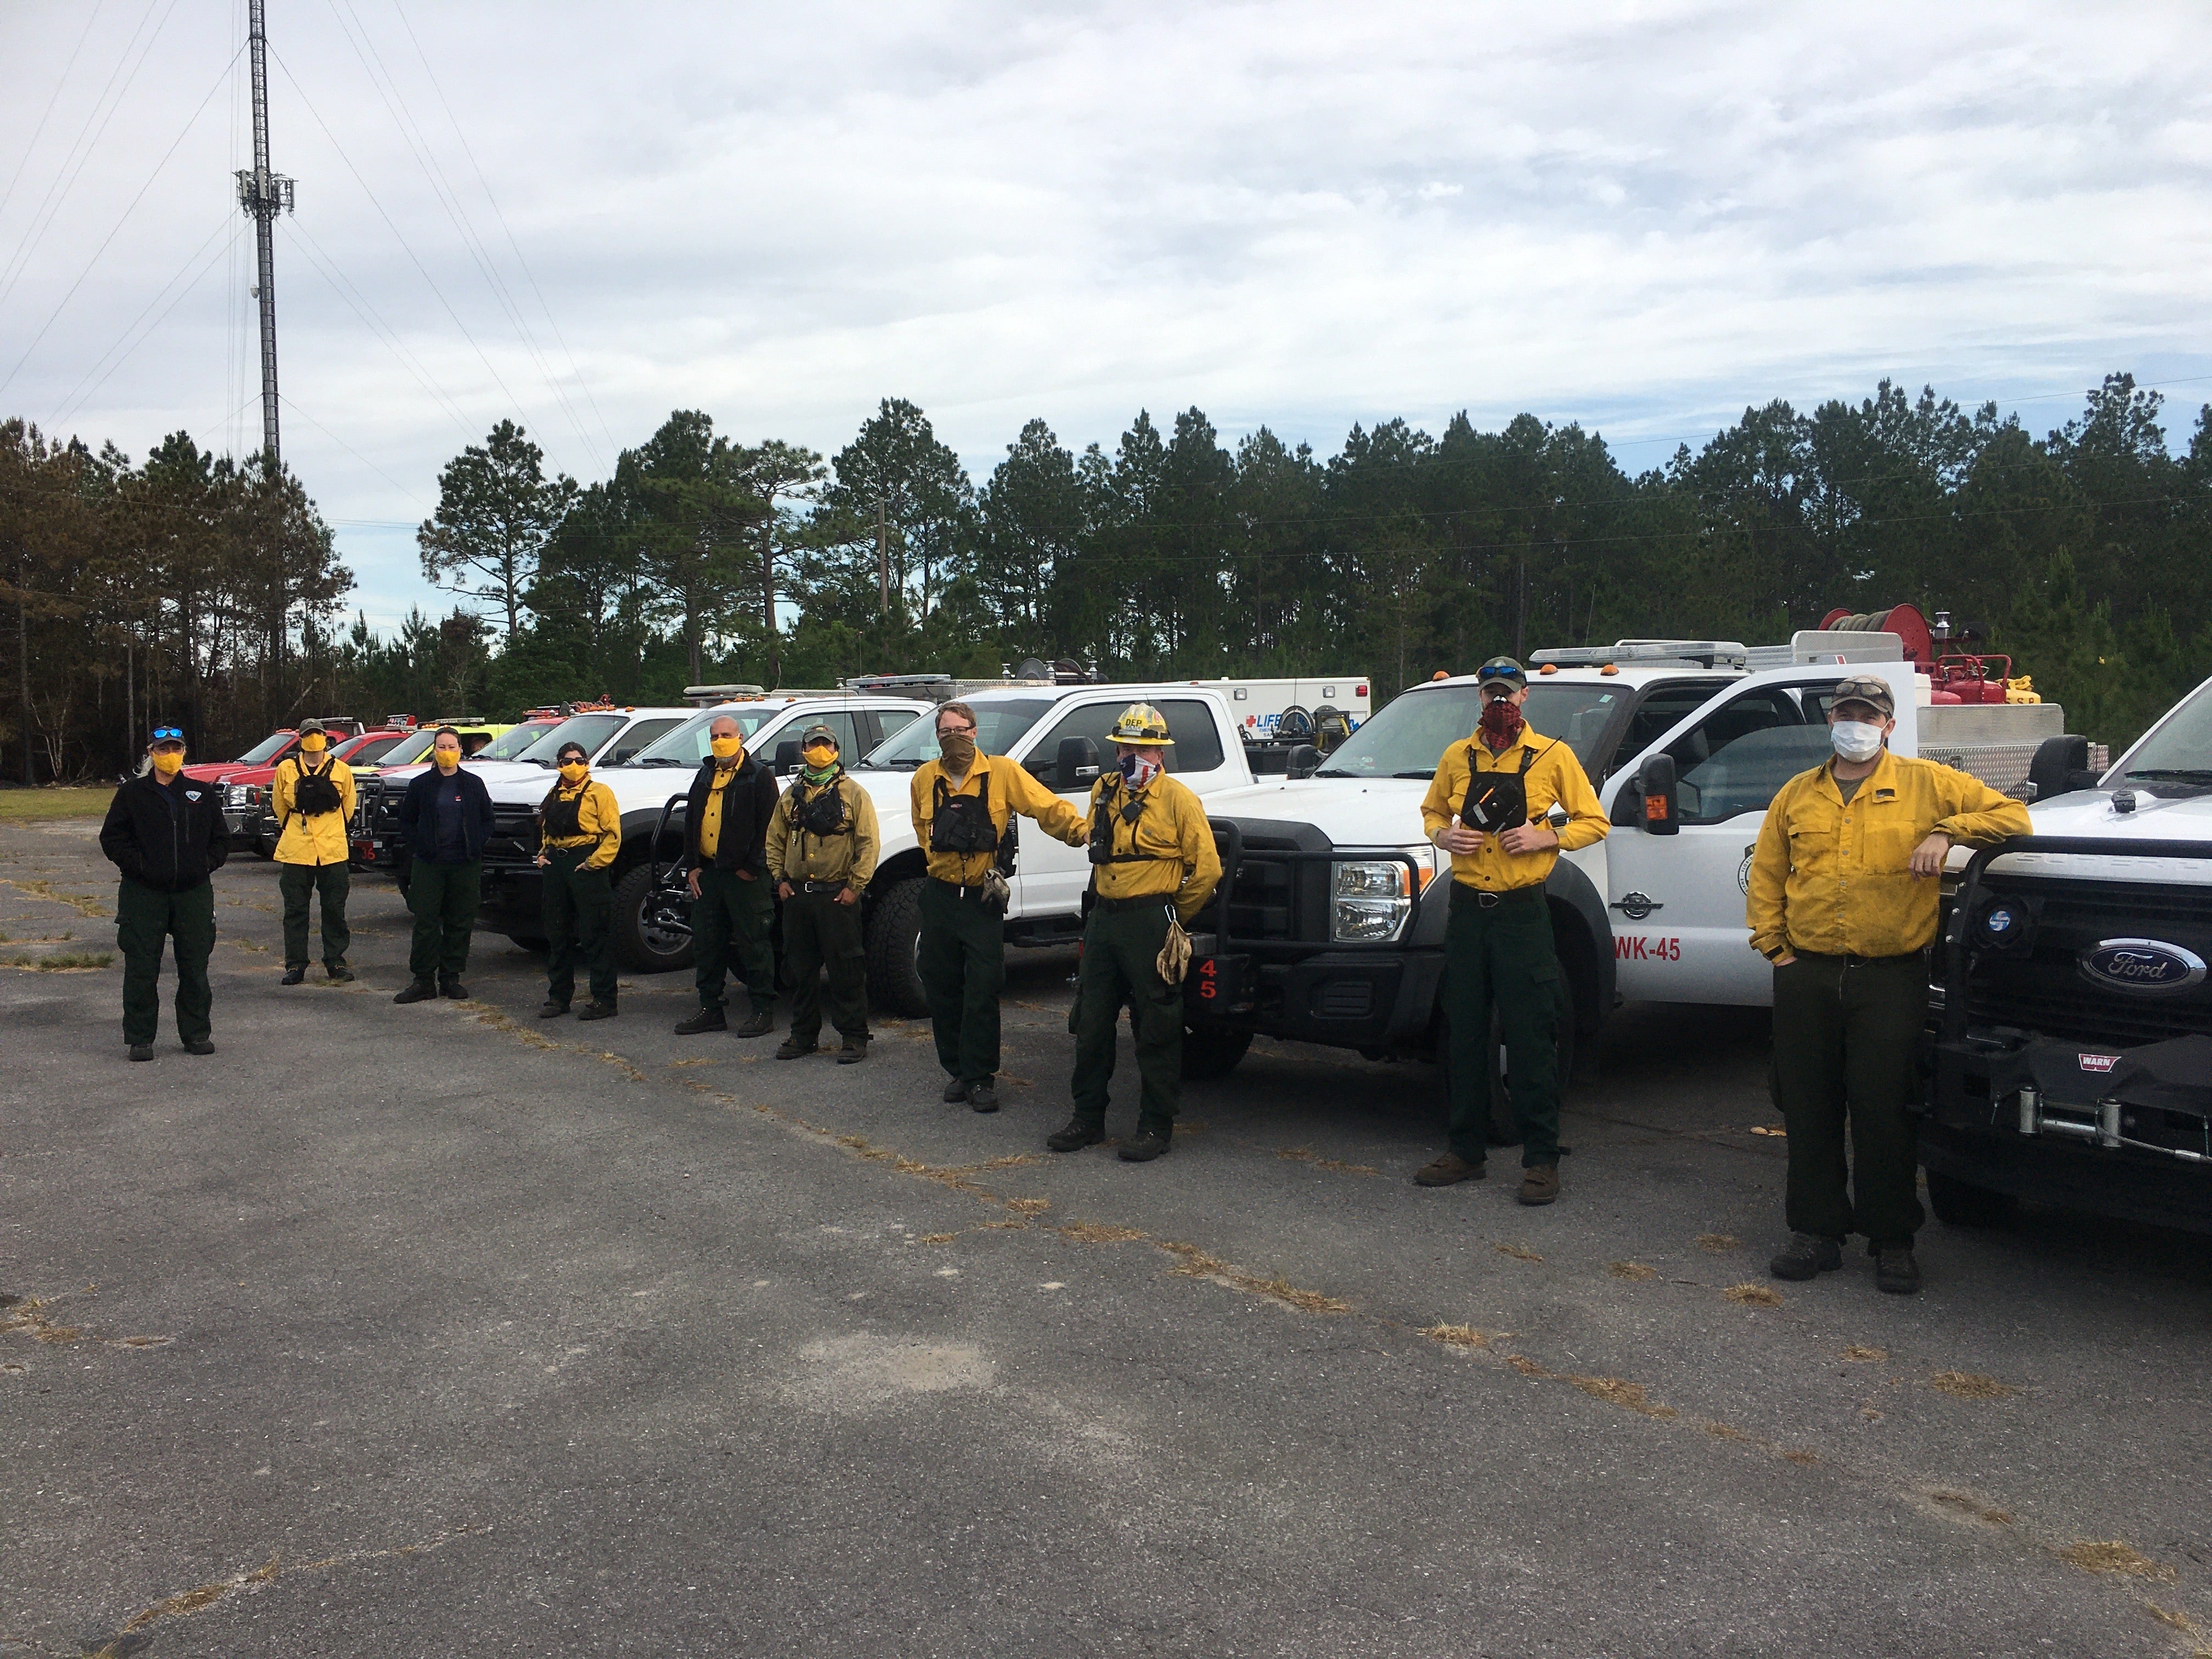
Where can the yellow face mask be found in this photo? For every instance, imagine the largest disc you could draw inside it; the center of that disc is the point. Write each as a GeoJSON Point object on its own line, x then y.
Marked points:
{"type": "Point", "coordinates": [727, 749]}
{"type": "Point", "coordinates": [312, 745]}
{"type": "Point", "coordinates": [167, 766]}
{"type": "Point", "coordinates": [574, 772]}
{"type": "Point", "coordinates": [821, 756]}
{"type": "Point", "coordinates": [449, 760]}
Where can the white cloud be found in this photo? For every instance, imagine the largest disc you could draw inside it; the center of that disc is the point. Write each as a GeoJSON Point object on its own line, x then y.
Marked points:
{"type": "Point", "coordinates": [1641, 215]}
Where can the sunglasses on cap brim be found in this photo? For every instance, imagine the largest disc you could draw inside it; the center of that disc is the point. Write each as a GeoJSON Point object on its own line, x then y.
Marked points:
{"type": "Point", "coordinates": [168, 734]}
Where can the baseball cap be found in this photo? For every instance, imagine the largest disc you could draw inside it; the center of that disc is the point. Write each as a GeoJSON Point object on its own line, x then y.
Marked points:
{"type": "Point", "coordinates": [1868, 689]}
{"type": "Point", "coordinates": [168, 734]}
{"type": "Point", "coordinates": [312, 729]}
{"type": "Point", "coordinates": [1501, 668]}
{"type": "Point", "coordinates": [819, 733]}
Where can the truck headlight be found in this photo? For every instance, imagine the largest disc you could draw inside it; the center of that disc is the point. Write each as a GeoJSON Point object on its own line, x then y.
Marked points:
{"type": "Point", "coordinates": [1370, 898]}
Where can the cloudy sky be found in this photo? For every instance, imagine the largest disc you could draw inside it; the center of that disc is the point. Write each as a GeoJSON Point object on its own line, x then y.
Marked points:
{"type": "Point", "coordinates": [1639, 215]}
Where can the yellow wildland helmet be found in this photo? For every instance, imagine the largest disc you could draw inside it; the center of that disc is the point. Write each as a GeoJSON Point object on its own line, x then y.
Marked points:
{"type": "Point", "coordinates": [1141, 723]}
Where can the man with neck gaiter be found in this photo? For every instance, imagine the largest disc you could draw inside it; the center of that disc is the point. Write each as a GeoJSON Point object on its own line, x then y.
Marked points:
{"type": "Point", "coordinates": [822, 847]}
{"type": "Point", "coordinates": [1489, 806]}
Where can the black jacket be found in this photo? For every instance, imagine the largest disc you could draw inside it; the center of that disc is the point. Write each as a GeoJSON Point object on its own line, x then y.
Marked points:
{"type": "Point", "coordinates": [748, 801]}
{"type": "Point", "coordinates": [418, 813]}
{"type": "Point", "coordinates": [167, 836]}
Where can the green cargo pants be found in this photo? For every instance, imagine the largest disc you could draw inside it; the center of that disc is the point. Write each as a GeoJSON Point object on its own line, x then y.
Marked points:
{"type": "Point", "coordinates": [1121, 948]}
{"type": "Point", "coordinates": [298, 883]}
{"type": "Point", "coordinates": [731, 925]}
{"type": "Point", "coordinates": [964, 968]}
{"type": "Point", "coordinates": [1847, 1036]}
{"type": "Point", "coordinates": [578, 906]}
{"type": "Point", "coordinates": [1500, 956]}
{"type": "Point", "coordinates": [146, 917]}
{"type": "Point", "coordinates": [444, 898]}
{"type": "Point", "coordinates": [820, 933]}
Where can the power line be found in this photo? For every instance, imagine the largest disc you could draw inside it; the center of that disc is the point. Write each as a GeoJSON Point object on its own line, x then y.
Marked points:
{"type": "Point", "coordinates": [71, 404]}
{"type": "Point", "coordinates": [54, 98]}
{"type": "Point", "coordinates": [348, 448]}
{"type": "Point", "coordinates": [81, 152]}
{"type": "Point", "coordinates": [308, 104]}
{"type": "Point", "coordinates": [192, 122]}
{"type": "Point", "coordinates": [326, 267]}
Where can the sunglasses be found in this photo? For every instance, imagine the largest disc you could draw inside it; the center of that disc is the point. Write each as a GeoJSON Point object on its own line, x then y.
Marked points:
{"type": "Point", "coordinates": [168, 734]}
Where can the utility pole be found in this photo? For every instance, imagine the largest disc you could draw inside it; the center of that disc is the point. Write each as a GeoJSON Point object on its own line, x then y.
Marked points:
{"type": "Point", "coordinates": [883, 560]}
{"type": "Point", "coordinates": [263, 194]}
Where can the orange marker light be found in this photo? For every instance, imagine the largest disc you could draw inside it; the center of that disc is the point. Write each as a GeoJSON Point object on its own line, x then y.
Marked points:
{"type": "Point", "coordinates": [1608, 669]}
{"type": "Point", "coordinates": [1655, 809]}
{"type": "Point", "coordinates": [1549, 668]}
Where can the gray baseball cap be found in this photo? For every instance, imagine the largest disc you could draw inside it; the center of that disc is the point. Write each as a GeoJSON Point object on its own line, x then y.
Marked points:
{"type": "Point", "coordinates": [1868, 689]}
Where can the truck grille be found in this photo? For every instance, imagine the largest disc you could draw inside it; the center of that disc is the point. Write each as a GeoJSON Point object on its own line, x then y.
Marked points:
{"type": "Point", "coordinates": [2043, 990]}
{"type": "Point", "coordinates": [1269, 896]}
{"type": "Point", "coordinates": [514, 839]}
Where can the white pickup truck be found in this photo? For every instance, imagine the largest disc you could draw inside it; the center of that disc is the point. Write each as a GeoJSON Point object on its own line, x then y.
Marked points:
{"type": "Point", "coordinates": [1329, 925]}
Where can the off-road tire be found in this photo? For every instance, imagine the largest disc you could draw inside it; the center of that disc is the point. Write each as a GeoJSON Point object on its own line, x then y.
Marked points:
{"type": "Point", "coordinates": [641, 949]}
{"type": "Point", "coordinates": [1212, 1051]}
{"type": "Point", "coordinates": [1960, 1204]}
{"type": "Point", "coordinates": [894, 947]}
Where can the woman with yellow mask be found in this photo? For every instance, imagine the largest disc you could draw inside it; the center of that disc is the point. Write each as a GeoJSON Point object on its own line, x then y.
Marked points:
{"type": "Point", "coordinates": [165, 832]}
{"type": "Point", "coordinates": [580, 832]}
{"type": "Point", "coordinates": [726, 818]}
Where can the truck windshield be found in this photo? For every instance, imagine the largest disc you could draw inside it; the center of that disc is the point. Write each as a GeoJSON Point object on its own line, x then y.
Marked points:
{"type": "Point", "coordinates": [1000, 724]}
{"type": "Point", "coordinates": [686, 746]}
{"type": "Point", "coordinates": [262, 751]}
{"type": "Point", "coordinates": [2180, 750]}
{"type": "Point", "coordinates": [509, 745]}
{"type": "Point", "coordinates": [1408, 737]}
{"type": "Point", "coordinates": [590, 730]}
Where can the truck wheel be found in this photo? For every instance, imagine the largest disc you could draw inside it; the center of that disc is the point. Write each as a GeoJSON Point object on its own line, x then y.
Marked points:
{"type": "Point", "coordinates": [640, 944]}
{"type": "Point", "coordinates": [895, 952]}
{"type": "Point", "coordinates": [1212, 1051]}
{"type": "Point", "coordinates": [1958, 1204]}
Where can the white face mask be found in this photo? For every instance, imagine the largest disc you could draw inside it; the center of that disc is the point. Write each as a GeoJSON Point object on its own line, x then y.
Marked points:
{"type": "Point", "coordinates": [1854, 740]}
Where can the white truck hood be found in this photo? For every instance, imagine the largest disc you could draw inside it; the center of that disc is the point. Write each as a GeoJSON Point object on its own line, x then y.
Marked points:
{"type": "Point", "coordinates": [494, 774]}
{"type": "Point", "coordinates": [634, 786]}
{"type": "Point", "coordinates": [1350, 811]}
{"type": "Point", "coordinates": [2090, 812]}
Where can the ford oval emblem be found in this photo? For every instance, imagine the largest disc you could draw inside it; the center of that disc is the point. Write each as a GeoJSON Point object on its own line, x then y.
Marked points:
{"type": "Point", "coordinates": [2148, 965]}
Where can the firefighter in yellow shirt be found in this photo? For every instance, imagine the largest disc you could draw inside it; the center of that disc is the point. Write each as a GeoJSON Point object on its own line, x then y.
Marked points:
{"type": "Point", "coordinates": [1488, 806]}
{"type": "Point", "coordinates": [311, 795]}
{"type": "Point", "coordinates": [822, 847]}
{"type": "Point", "coordinates": [1153, 866]}
{"type": "Point", "coordinates": [1842, 898]}
{"type": "Point", "coordinates": [580, 832]}
{"type": "Point", "coordinates": [964, 803]}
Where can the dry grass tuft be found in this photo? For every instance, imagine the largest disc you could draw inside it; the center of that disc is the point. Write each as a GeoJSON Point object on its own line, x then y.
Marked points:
{"type": "Point", "coordinates": [192, 1601]}
{"type": "Point", "coordinates": [1526, 1366]}
{"type": "Point", "coordinates": [1519, 1253]}
{"type": "Point", "coordinates": [1970, 1385]}
{"type": "Point", "coordinates": [29, 1317]}
{"type": "Point", "coordinates": [1865, 1355]}
{"type": "Point", "coordinates": [1462, 1336]}
{"type": "Point", "coordinates": [2174, 1620]}
{"type": "Point", "coordinates": [1753, 1294]}
{"type": "Point", "coordinates": [939, 1238]}
{"type": "Point", "coordinates": [1633, 1271]}
{"type": "Point", "coordinates": [2111, 1556]}
{"type": "Point", "coordinates": [1197, 1264]}
{"type": "Point", "coordinates": [1965, 1505]}
{"type": "Point", "coordinates": [1802, 1458]}
{"type": "Point", "coordinates": [1725, 1431]}
{"type": "Point", "coordinates": [1029, 1205]}
{"type": "Point", "coordinates": [1718, 1242]}
{"type": "Point", "coordinates": [64, 962]}
{"type": "Point", "coordinates": [1620, 1392]}
{"type": "Point", "coordinates": [1089, 1232]}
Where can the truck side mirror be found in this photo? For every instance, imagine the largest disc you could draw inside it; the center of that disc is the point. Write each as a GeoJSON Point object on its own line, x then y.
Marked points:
{"type": "Point", "coordinates": [1077, 765]}
{"type": "Point", "coordinates": [787, 758]}
{"type": "Point", "coordinates": [1304, 762]}
{"type": "Point", "coordinates": [1661, 810]}
{"type": "Point", "coordinates": [2060, 765]}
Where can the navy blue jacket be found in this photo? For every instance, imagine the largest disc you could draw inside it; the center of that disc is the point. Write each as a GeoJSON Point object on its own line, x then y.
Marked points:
{"type": "Point", "coordinates": [418, 813]}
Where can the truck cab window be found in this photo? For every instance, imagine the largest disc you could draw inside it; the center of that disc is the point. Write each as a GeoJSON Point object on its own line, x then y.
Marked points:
{"type": "Point", "coordinates": [1732, 761]}
{"type": "Point", "coordinates": [1196, 748]}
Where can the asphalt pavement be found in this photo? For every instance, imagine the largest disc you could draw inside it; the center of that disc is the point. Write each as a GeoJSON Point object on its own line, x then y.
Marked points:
{"type": "Point", "coordinates": [442, 1330]}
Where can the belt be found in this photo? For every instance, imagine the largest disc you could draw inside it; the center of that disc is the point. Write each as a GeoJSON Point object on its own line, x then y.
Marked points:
{"type": "Point", "coordinates": [821, 886]}
{"type": "Point", "coordinates": [1913, 957]}
{"type": "Point", "coordinates": [974, 891]}
{"type": "Point", "coordinates": [1483, 899]}
{"type": "Point", "coordinates": [1141, 901]}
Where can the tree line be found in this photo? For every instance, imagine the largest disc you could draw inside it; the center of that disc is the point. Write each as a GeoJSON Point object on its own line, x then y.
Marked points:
{"type": "Point", "coordinates": [1172, 554]}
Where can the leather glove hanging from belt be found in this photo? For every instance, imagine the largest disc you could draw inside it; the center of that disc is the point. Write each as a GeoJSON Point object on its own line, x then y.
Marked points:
{"type": "Point", "coordinates": [1173, 960]}
{"type": "Point", "coordinates": [997, 895]}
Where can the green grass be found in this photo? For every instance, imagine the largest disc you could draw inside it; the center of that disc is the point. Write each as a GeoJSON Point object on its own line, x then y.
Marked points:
{"type": "Point", "coordinates": [63, 961]}
{"type": "Point", "coordinates": [28, 806]}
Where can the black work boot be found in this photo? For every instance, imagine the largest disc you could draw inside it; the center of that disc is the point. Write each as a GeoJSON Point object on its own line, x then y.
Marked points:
{"type": "Point", "coordinates": [1075, 1137]}
{"type": "Point", "coordinates": [1448, 1169]}
{"type": "Point", "coordinates": [596, 1010]}
{"type": "Point", "coordinates": [142, 1051]}
{"type": "Point", "coordinates": [1805, 1255]}
{"type": "Point", "coordinates": [956, 1089]}
{"type": "Point", "coordinates": [982, 1097]}
{"type": "Point", "coordinates": [760, 1022]}
{"type": "Point", "coordinates": [855, 1051]}
{"type": "Point", "coordinates": [549, 1009]}
{"type": "Point", "coordinates": [418, 990]}
{"type": "Point", "coordinates": [293, 976]}
{"type": "Point", "coordinates": [793, 1048]}
{"type": "Point", "coordinates": [1894, 1269]}
{"type": "Point", "coordinates": [339, 973]}
{"type": "Point", "coordinates": [449, 985]}
{"type": "Point", "coordinates": [201, 1046]}
{"type": "Point", "coordinates": [709, 1018]}
{"type": "Point", "coordinates": [1145, 1146]}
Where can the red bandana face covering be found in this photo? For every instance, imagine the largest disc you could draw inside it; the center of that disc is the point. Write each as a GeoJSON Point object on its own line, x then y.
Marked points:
{"type": "Point", "coordinates": [1500, 725]}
